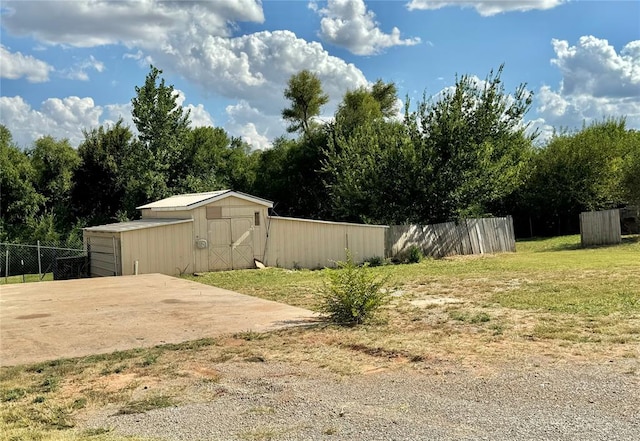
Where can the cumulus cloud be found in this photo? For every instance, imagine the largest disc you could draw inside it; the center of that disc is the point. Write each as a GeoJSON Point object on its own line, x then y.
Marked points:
{"type": "Point", "coordinates": [254, 69]}
{"type": "Point", "coordinates": [597, 82]}
{"type": "Point", "coordinates": [79, 70]}
{"type": "Point", "coordinates": [192, 39]}
{"type": "Point", "coordinates": [256, 128]}
{"type": "Point", "coordinates": [67, 117]}
{"type": "Point", "coordinates": [14, 65]}
{"type": "Point", "coordinates": [487, 8]}
{"type": "Point", "coordinates": [60, 118]}
{"type": "Point", "coordinates": [348, 23]}
{"type": "Point", "coordinates": [87, 23]}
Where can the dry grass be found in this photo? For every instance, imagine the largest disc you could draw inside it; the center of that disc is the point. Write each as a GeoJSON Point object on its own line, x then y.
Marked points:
{"type": "Point", "coordinates": [551, 302]}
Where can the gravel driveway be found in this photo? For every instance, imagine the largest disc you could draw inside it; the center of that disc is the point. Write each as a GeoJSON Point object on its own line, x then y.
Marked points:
{"type": "Point", "coordinates": [277, 401]}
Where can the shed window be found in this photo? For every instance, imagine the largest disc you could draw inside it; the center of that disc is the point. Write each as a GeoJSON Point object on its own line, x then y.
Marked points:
{"type": "Point", "coordinates": [256, 218]}
{"type": "Point", "coordinates": [214, 212]}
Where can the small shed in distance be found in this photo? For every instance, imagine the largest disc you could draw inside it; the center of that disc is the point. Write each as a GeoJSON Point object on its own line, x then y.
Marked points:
{"type": "Point", "coordinates": [222, 230]}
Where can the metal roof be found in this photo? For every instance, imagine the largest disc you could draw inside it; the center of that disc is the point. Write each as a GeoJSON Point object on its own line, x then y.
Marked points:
{"type": "Point", "coordinates": [195, 200]}
{"type": "Point", "coordinates": [136, 225]}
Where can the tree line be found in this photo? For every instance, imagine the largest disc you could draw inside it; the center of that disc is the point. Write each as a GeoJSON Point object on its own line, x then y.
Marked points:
{"type": "Point", "coordinates": [465, 152]}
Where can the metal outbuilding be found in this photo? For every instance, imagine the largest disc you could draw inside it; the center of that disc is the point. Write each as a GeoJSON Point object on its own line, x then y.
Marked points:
{"type": "Point", "coordinates": [222, 230]}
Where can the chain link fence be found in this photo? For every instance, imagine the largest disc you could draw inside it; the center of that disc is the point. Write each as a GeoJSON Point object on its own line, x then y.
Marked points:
{"type": "Point", "coordinates": [41, 259]}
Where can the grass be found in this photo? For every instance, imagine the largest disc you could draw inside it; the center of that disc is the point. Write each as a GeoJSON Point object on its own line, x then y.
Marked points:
{"type": "Point", "coordinates": [550, 300]}
{"type": "Point", "coordinates": [27, 278]}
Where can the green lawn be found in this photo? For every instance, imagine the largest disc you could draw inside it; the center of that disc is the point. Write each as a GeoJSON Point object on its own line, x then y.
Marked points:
{"type": "Point", "coordinates": [27, 278]}
{"type": "Point", "coordinates": [544, 274]}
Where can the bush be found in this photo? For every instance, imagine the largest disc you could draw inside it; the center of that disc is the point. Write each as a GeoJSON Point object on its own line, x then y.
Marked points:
{"type": "Point", "coordinates": [415, 254]}
{"type": "Point", "coordinates": [377, 261]}
{"type": "Point", "coordinates": [353, 294]}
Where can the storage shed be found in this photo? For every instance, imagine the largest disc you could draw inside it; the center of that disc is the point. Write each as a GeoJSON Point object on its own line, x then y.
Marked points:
{"type": "Point", "coordinates": [222, 230]}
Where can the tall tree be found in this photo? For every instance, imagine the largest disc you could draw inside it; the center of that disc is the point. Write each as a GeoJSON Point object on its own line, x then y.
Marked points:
{"type": "Point", "coordinates": [19, 200]}
{"type": "Point", "coordinates": [473, 140]}
{"type": "Point", "coordinates": [357, 107]}
{"type": "Point", "coordinates": [290, 173]}
{"type": "Point", "coordinates": [386, 94]}
{"type": "Point", "coordinates": [373, 174]}
{"type": "Point", "coordinates": [100, 180]}
{"type": "Point", "coordinates": [577, 172]}
{"type": "Point", "coordinates": [631, 171]}
{"type": "Point", "coordinates": [163, 126]}
{"type": "Point", "coordinates": [304, 91]}
{"type": "Point", "coordinates": [54, 163]}
{"type": "Point", "coordinates": [461, 154]}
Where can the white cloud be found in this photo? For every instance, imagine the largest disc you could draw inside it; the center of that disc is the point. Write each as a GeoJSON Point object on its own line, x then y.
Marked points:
{"type": "Point", "coordinates": [198, 115]}
{"type": "Point", "coordinates": [191, 39]}
{"type": "Point", "coordinates": [66, 117]}
{"type": "Point", "coordinates": [254, 69]}
{"type": "Point", "coordinates": [14, 65]}
{"type": "Point", "coordinates": [79, 69]}
{"type": "Point", "coordinates": [487, 8]}
{"type": "Point", "coordinates": [348, 23]}
{"type": "Point", "coordinates": [593, 67]}
{"type": "Point", "coordinates": [597, 82]}
{"type": "Point", "coordinates": [60, 118]}
{"type": "Point", "coordinates": [256, 128]}
{"type": "Point", "coordinates": [87, 23]}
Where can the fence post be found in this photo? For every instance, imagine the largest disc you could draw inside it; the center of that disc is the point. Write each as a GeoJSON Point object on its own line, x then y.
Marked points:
{"type": "Point", "coordinates": [39, 264]}
{"type": "Point", "coordinates": [6, 267]}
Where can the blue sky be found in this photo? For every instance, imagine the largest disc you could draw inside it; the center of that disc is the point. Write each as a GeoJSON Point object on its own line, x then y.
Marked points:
{"type": "Point", "coordinates": [69, 65]}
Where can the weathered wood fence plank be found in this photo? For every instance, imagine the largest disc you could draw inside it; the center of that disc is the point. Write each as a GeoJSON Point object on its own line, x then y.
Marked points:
{"type": "Point", "coordinates": [470, 236]}
{"type": "Point", "coordinates": [600, 228]}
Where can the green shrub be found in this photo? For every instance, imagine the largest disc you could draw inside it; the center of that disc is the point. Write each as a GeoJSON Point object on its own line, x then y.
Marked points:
{"type": "Point", "coordinates": [353, 294]}
{"type": "Point", "coordinates": [414, 255]}
{"type": "Point", "coordinates": [377, 261]}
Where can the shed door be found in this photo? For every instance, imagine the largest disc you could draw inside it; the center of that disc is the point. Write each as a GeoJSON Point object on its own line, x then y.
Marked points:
{"type": "Point", "coordinates": [220, 244]}
{"type": "Point", "coordinates": [242, 243]}
{"type": "Point", "coordinates": [231, 243]}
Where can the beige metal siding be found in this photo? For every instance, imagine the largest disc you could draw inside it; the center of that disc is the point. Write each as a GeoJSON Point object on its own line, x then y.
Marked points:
{"type": "Point", "coordinates": [317, 244]}
{"type": "Point", "coordinates": [164, 249]}
{"type": "Point", "coordinates": [231, 208]}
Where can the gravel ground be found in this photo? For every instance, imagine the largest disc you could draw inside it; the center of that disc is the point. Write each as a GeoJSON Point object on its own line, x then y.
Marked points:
{"type": "Point", "coordinates": [276, 401]}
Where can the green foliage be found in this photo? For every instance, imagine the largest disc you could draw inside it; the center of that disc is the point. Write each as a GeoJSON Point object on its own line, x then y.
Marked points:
{"type": "Point", "coordinates": [580, 171]}
{"type": "Point", "coordinates": [357, 107]}
{"type": "Point", "coordinates": [162, 128]}
{"type": "Point", "coordinates": [414, 254]}
{"type": "Point", "coordinates": [304, 91]}
{"type": "Point", "coordinates": [54, 164]}
{"type": "Point", "coordinates": [19, 202]}
{"type": "Point", "coordinates": [290, 173]}
{"type": "Point", "coordinates": [386, 94]}
{"type": "Point", "coordinates": [472, 145]}
{"type": "Point", "coordinates": [371, 174]}
{"type": "Point", "coordinates": [101, 178]}
{"type": "Point", "coordinates": [631, 170]}
{"type": "Point", "coordinates": [353, 294]}
{"type": "Point", "coordinates": [375, 261]}
{"type": "Point", "coordinates": [457, 155]}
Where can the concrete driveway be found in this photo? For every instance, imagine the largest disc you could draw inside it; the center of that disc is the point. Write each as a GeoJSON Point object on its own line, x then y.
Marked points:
{"type": "Point", "coordinates": [49, 320]}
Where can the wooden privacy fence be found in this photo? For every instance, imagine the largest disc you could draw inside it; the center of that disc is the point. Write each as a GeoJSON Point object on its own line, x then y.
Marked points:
{"type": "Point", "coordinates": [600, 228]}
{"type": "Point", "coordinates": [470, 236]}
